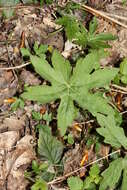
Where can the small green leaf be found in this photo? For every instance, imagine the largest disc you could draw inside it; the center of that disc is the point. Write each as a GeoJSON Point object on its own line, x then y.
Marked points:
{"type": "Point", "coordinates": [19, 103]}
{"type": "Point", "coordinates": [93, 178]}
{"type": "Point", "coordinates": [94, 170]}
{"type": "Point", "coordinates": [35, 166]}
{"type": "Point", "coordinates": [49, 148]}
{"type": "Point", "coordinates": [25, 52]}
{"type": "Point", "coordinates": [75, 183]}
{"type": "Point", "coordinates": [36, 115]}
{"type": "Point", "coordinates": [40, 50]}
{"type": "Point", "coordinates": [47, 117]}
{"type": "Point", "coordinates": [39, 185]}
{"type": "Point", "coordinates": [88, 184]}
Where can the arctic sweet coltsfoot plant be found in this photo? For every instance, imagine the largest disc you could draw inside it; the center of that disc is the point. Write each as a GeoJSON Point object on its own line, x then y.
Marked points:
{"type": "Point", "coordinates": [83, 37]}
{"type": "Point", "coordinates": [71, 85]}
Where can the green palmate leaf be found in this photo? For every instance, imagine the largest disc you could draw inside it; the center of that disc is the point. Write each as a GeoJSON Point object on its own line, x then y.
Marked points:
{"type": "Point", "coordinates": [66, 113]}
{"type": "Point", "coordinates": [72, 87]}
{"type": "Point", "coordinates": [75, 183]}
{"type": "Point", "coordinates": [78, 33]}
{"type": "Point", "coordinates": [48, 146]}
{"type": "Point", "coordinates": [43, 94]}
{"type": "Point", "coordinates": [113, 134]}
{"type": "Point", "coordinates": [111, 175]}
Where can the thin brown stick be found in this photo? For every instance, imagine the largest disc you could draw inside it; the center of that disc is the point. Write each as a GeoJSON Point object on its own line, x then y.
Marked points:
{"type": "Point", "coordinates": [16, 67]}
{"type": "Point", "coordinates": [118, 91]}
{"type": "Point", "coordinates": [102, 14]}
{"type": "Point", "coordinates": [120, 87]}
{"type": "Point", "coordinates": [116, 16]}
{"type": "Point", "coordinates": [123, 112]}
{"type": "Point", "coordinates": [62, 178]}
{"type": "Point", "coordinates": [85, 122]}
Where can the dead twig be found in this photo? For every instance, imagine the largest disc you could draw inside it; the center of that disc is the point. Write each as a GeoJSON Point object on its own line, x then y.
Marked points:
{"type": "Point", "coordinates": [62, 178]}
{"type": "Point", "coordinates": [16, 67]}
{"type": "Point", "coordinates": [118, 91]}
{"type": "Point", "coordinates": [102, 14]}
{"type": "Point", "coordinates": [119, 87]}
{"type": "Point", "coordinates": [116, 16]}
{"type": "Point", "coordinates": [123, 112]}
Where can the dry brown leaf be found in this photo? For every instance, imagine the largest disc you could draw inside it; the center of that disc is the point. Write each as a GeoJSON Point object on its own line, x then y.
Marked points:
{"type": "Point", "coordinates": [8, 139]}
{"type": "Point", "coordinates": [14, 124]}
{"type": "Point", "coordinates": [104, 150]}
{"type": "Point", "coordinates": [72, 159]}
{"type": "Point", "coordinates": [15, 162]}
{"type": "Point", "coordinates": [8, 85]}
{"type": "Point", "coordinates": [29, 78]}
